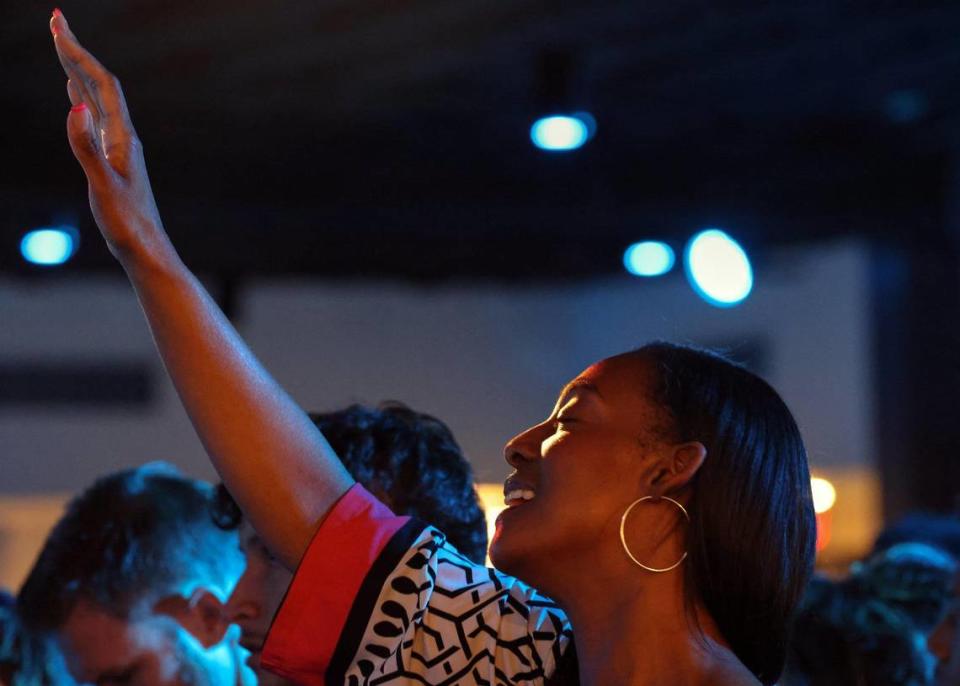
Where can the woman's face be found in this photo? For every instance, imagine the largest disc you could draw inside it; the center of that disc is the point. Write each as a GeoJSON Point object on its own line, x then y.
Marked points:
{"type": "Point", "coordinates": [578, 470]}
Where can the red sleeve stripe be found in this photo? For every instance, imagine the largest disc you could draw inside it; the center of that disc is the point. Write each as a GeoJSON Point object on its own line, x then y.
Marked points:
{"type": "Point", "coordinates": [308, 626]}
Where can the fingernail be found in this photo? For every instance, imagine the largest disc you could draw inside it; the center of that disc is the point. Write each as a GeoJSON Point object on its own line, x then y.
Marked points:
{"type": "Point", "coordinates": [79, 108]}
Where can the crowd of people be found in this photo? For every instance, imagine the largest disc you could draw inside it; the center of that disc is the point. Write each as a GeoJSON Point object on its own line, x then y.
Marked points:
{"type": "Point", "coordinates": [348, 548]}
{"type": "Point", "coordinates": [152, 577]}
{"type": "Point", "coordinates": [155, 578]}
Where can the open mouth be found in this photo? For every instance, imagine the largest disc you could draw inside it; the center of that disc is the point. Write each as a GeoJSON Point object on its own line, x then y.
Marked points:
{"type": "Point", "coordinates": [518, 497]}
{"type": "Point", "coordinates": [517, 492]}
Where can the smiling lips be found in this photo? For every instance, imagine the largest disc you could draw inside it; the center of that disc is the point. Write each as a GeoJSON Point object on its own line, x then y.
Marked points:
{"type": "Point", "coordinates": [516, 492]}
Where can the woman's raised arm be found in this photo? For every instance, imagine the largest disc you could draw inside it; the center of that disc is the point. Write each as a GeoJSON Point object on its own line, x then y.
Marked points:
{"type": "Point", "coordinates": [275, 463]}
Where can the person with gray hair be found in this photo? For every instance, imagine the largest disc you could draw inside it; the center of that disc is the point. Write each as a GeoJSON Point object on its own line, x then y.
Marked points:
{"type": "Point", "coordinates": [132, 582]}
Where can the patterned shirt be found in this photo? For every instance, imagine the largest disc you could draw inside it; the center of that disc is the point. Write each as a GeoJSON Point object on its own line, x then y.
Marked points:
{"type": "Point", "coordinates": [381, 599]}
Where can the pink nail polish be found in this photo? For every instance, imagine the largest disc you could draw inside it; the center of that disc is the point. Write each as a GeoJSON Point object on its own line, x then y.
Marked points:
{"type": "Point", "coordinates": [79, 108]}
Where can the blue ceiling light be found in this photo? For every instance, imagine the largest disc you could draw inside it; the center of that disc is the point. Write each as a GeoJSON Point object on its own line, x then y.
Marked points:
{"type": "Point", "coordinates": [649, 258]}
{"type": "Point", "coordinates": [718, 268]}
{"type": "Point", "coordinates": [563, 132]}
{"type": "Point", "coordinates": [49, 246]}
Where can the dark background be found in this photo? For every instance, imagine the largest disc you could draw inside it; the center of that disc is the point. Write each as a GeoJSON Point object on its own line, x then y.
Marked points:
{"type": "Point", "coordinates": [389, 138]}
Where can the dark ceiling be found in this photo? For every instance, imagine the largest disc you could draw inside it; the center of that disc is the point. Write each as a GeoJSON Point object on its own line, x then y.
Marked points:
{"type": "Point", "coordinates": [384, 137]}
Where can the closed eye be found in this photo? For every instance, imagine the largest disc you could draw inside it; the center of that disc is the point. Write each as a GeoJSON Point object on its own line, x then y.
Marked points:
{"type": "Point", "coordinates": [269, 556]}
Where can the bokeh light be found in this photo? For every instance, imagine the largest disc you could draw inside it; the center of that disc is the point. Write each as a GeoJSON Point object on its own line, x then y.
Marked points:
{"type": "Point", "coordinates": [718, 268]}
{"type": "Point", "coordinates": [49, 246]}
{"type": "Point", "coordinates": [559, 133]}
{"type": "Point", "coordinates": [649, 258]}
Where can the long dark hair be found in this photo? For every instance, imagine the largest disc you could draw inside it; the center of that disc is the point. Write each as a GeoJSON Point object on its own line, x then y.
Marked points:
{"type": "Point", "coordinates": [752, 533]}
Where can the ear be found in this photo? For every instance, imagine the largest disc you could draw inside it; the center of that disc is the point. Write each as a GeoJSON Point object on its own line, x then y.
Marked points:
{"type": "Point", "coordinates": [202, 614]}
{"type": "Point", "coordinates": [678, 467]}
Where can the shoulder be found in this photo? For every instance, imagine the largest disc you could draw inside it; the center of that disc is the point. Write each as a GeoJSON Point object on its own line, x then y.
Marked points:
{"type": "Point", "coordinates": [440, 615]}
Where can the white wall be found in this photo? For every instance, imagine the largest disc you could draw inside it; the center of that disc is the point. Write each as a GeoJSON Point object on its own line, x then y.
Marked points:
{"type": "Point", "coordinates": [490, 361]}
{"type": "Point", "coordinates": [487, 359]}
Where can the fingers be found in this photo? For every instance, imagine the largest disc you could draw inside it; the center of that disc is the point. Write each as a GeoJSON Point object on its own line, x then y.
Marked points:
{"type": "Point", "coordinates": [85, 143]}
{"type": "Point", "coordinates": [94, 85]}
{"type": "Point", "coordinates": [59, 28]}
{"type": "Point", "coordinates": [74, 93]}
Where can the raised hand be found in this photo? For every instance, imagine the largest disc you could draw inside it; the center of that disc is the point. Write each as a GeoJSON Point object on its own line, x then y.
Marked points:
{"type": "Point", "coordinates": [271, 456]}
{"type": "Point", "coordinates": [105, 143]}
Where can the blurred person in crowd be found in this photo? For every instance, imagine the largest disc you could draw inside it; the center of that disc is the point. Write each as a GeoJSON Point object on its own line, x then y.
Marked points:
{"type": "Point", "coordinates": [873, 626]}
{"type": "Point", "coordinates": [940, 531]}
{"type": "Point", "coordinates": [916, 579]}
{"type": "Point", "coordinates": [943, 533]}
{"type": "Point", "coordinates": [132, 583]}
{"type": "Point", "coordinates": [843, 637]}
{"type": "Point", "coordinates": [944, 640]}
{"type": "Point", "coordinates": [414, 465]}
{"type": "Point", "coordinates": [26, 660]}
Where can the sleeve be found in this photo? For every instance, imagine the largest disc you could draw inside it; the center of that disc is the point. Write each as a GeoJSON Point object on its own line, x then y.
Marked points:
{"type": "Point", "coordinates": [380, 599]}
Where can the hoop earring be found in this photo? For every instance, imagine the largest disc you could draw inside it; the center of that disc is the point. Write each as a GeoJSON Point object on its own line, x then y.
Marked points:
{"type": "Point", "coordinates": [623, 538]}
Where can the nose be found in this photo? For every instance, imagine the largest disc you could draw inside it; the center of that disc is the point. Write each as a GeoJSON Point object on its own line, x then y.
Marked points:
{"type": "Point", "coordinates": [523, 447]}
{"type": "Point", "coordinates": [243, 605]}
{"type": "Point", "coordinates": [243, 611]}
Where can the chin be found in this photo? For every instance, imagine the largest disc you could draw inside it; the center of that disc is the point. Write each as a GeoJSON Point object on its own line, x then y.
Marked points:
{"type": "Point", "coordinates": [514, 553]}
{"type": "Point", "coordinates": [499, 558]}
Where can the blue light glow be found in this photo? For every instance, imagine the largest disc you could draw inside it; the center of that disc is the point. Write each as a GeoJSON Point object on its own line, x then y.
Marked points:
{"type": "Point", "coordinates": [49, 246]}
{"type": "Point", "coordinates": [649, 258]}
{"type": "Point", "coordinates": [718, 268]}
{"type": "Point", "coordinates": [562, 132]}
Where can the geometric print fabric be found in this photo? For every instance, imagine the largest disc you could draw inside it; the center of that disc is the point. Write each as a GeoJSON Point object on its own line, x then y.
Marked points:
{"type": "Point", "coordinates": [428, 615]}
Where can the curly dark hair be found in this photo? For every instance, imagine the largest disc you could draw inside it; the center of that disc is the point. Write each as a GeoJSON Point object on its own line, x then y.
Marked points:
{"type": "Point", "coordinates": [843, 636]}
{"type": "Point", "coordinates": [407, 459]}
{"type": "Point", "coordinates": [916, 579]}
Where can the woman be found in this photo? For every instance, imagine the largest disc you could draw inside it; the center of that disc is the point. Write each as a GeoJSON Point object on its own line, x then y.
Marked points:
{"type": "Point", "coordinates": [664, 502]}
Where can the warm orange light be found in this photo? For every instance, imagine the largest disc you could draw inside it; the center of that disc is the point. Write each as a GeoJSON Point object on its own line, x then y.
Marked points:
{"type": "Point", "coordinates": [491, 498]}
{"type": "Point", "coordinates": [824, 529]}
